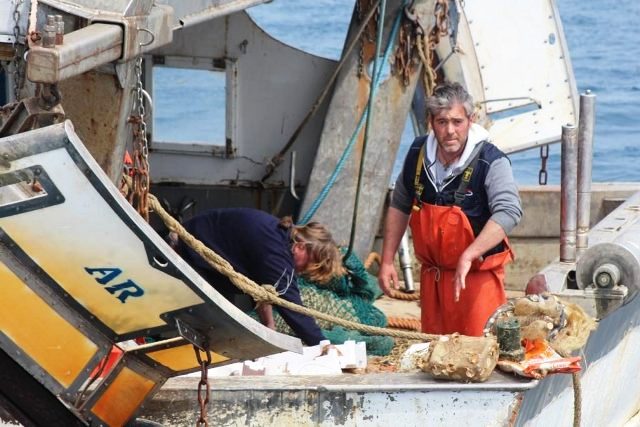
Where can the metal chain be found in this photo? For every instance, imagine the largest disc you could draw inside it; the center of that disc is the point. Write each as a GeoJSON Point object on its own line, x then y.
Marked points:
{"type": "Point", "coordinates": [415, 45]}
{"type": "Point", "coordinates": [372, 27]}
{"type": "Point", "coordinates": [440, 29]}
{"type": "Point", "coordinates": [408, 53]}
{"type": "Point", "coordinates": [544, 155]}
{"type": "Point", "coordinates": [141, 109]}
{"type": "Point", "coordinates": [204, 391]}
{"type": "Point", "coordinates": [442, 18]}
{"type": "Point", "coordinates": [140, 169]}
{"type": "Point", "coordinates": [368, 35]}
{"type": "Point", "coordinates": [17, 52]}
{"type": "Point", "coordinates": [414, 40]}
{"type": "Point", "coordinates": [361, 50]}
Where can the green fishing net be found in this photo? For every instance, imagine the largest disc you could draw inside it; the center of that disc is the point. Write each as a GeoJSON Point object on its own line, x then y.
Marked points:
{"type": "Point", "coordinates": [349, 297]}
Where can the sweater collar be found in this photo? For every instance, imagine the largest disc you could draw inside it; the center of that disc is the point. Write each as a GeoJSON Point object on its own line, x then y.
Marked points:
{"type": "Point", "coordinates": [477, 134]}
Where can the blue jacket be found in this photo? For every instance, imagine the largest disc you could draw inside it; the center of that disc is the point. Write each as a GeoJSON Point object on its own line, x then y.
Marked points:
{"type": "Point", "coordinates": [254, 244]}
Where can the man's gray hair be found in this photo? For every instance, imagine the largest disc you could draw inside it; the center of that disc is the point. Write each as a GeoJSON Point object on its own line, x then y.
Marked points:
{"type": "Point", "coordinates": [446, 95]}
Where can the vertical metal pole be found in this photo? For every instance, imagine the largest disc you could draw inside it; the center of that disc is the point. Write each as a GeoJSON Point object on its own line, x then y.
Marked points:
{"type": "Point", "coordinates": [5, 85]}
{"type": "Point", "coordinates": [405, 263]}
{"type": "Point", "coordinates": [568, 193]}
{"type": "Point", "coordinates": [585, 157]}
{"type": "Point", "coordinates": [11, 82]}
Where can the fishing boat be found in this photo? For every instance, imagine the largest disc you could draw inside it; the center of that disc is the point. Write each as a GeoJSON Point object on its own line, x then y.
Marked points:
{"type": "Point", "coordinates": [85, 270]}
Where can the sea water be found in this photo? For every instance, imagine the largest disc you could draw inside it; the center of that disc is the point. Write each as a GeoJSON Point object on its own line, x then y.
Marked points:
{"type": "Point", "coordinates": [604, 48]}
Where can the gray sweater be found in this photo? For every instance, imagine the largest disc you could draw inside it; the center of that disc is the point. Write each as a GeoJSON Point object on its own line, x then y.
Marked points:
{"type": "Point", "coordinates": [502, 191]}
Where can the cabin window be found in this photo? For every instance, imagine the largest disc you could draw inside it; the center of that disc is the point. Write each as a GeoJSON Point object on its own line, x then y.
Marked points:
{"type": "Point", "coordinates": [193, 106]}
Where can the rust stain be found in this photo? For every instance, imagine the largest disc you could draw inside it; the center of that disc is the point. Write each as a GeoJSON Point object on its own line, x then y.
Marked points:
{"type": "Point", "coordinates": [92, 102]}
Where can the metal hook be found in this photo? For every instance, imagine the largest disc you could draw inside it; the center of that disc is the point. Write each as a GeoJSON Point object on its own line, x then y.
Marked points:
{"type": "Point", "coordinates": [153, 37]}
{"type": "Point", "coordinates": [292, 176]}
{"type": "Point", "coordinates": [410, 13]}
{"type": "Point", "coordinates": [148, 98]}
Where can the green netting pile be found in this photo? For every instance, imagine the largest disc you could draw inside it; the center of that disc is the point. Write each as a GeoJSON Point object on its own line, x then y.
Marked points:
{"type": "Point", "coordinates": [349, 297]}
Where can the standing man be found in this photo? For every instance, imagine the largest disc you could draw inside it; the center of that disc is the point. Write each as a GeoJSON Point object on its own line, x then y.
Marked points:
{"type": "Point", "coordinates": [268, 251]}
{"type": "Point", "coordinates": [457, 192]}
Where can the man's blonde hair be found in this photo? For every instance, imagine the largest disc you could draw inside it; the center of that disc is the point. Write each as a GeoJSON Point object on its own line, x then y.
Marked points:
{"type": "Point", "coordinates": [325, 258]}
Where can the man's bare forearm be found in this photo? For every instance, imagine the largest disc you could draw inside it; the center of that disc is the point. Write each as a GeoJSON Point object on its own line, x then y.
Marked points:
{"type": "Point", "coordinates": [394, 228]}
{"type": "Point", "coordinates": [490, 235]}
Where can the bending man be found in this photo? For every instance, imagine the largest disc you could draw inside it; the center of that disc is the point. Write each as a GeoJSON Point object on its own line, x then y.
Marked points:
{"type": "Point", "coordinates": [267, 251]}
{"type": "Point", "coordinates": [456, 190]}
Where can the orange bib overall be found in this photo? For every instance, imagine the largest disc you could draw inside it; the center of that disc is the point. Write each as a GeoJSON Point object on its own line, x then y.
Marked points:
{"type": "Point", "coordinates": [440, 235]}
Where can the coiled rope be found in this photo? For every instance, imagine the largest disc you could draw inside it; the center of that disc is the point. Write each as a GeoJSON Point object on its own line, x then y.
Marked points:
{"type": "Point", "coordinates": [404, 323]}
{"type": "Point", "coordinates": [395, 294]}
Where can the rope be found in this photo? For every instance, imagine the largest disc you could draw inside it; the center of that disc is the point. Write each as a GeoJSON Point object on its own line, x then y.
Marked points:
{"type": "Point", "coordinates": [262, 294]}
{"type": "Point", "coordinates": [577, 399]}
{"type": "Point", "coordinates": [577, 393]}
{"type": "Point", "coordinates": [371, 258]}
{"type": "Point", "coordinates": [396, 294]}
{"type": "Point", "coordinates": [347, 152]}
{"type": "Point", "coordinates": [404, 323]}
{"type": "Point", "coordinates": [429, 76]}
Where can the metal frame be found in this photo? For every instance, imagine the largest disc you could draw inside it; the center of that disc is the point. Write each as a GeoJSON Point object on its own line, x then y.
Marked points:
{"type": "Point", "coordinates": [51, 196]}
{"type": "Point", "coordinates": [226, 148]}
{"type": "Point", "coordinates": [138, 366]}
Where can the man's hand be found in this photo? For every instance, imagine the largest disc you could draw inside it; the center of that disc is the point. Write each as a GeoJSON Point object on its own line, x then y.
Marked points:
{"type": "Point", "coordinates": [463, 267]}
{"type": "Point", "coordinates": [265, 313]}
{"type": "Point", "coordinates": [492, 233]}
{"type": "Point", "coordinates": [388, 278]}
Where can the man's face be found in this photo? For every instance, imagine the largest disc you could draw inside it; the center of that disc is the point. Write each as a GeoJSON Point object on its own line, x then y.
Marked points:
{"type": "Point", "coordinates": [451, 128]}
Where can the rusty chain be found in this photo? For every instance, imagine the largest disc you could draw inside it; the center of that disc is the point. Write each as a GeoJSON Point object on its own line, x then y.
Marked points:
{"type": "Point", "coordinates": [368, 35]}
{"type": "Point", "coordinates": [407, 53]}
{"type": "Point", "coordinates": [358, 12]}
{"type": "Point", "coordinates": [17, 51]}
{"type": "Point", "coordinates": [426, 43]}
{"type": "Point", "coordinates": [204, 391]}
{"type": "Point", "coordinates": [544, 155]}
{"type": "Point", "coordinates": [140, 168]}
{"type": "Point", "coordinates": [440, 29]}
{"type": "Point", "coordinates": [416, 45]}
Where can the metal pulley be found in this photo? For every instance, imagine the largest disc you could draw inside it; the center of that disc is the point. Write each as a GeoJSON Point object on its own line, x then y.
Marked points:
{"type": "Point", "coordinates": [606, 276]}
{"type": "Point", "coordinates": [610, 265]}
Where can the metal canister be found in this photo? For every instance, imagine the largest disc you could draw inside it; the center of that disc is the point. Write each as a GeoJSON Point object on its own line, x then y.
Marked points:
{"type": "Point", "coordinates": [508, 334]}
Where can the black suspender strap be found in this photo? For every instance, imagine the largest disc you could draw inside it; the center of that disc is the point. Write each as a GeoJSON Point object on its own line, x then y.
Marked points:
{"type": "Point", "coordinates": [417, 185]}
{"type": "Point", "coordinates": [466, 179]}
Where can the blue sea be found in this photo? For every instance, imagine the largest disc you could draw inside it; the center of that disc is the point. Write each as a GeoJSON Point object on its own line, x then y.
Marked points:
{"type": "Point", "coordinates": [605, 52]}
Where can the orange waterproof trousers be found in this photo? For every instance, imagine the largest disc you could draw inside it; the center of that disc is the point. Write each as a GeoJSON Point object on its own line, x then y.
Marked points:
{"type": "Point", "coordinates": [440, 235]}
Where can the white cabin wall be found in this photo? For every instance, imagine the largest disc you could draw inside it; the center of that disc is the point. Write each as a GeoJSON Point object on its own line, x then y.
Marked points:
{"type": "Point", "coordinates": [508, 69]}
{"type": "Point", "coordinates": [276, 87]}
